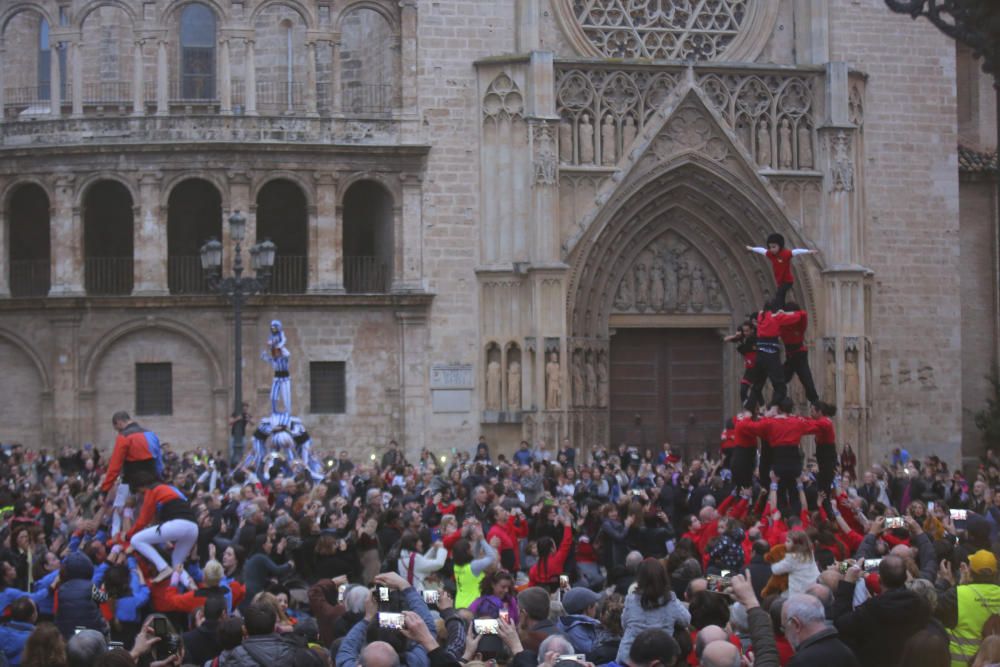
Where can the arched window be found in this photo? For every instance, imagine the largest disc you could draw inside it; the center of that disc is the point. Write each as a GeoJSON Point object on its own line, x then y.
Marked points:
{"type": "Point", "coordinates": [194, 214]}
{"type": "Point", "coordinates": [105, 50]}
{"type": "Point", "coordinates": [108, 238]}
{"type": "Point", "coordinates": [368, 238]}
{"type": "Point", "coordinates": [282, 216]}
{"type": "Point", "coordinates": [28, 213]}
{"type": "Point", "coordinates": [369, 53]}
{"type": "Point", "coordinates": [197, 53]}
{"type": "Point", "coordinates": [44, 59]}
{"type": "Point", "coordinates": [280, 62]}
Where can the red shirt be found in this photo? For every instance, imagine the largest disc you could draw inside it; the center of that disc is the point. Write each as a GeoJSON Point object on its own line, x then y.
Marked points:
{"type": "Point", "coordinates": [824, 431]}
{"type": "Point", "coordinates": [769, 324]}
{"type": "Point", "coordinates": [743, 434]}
{"type": "Point", "coordinates": [792, 335]}
{"type": "Point", "coordinates": [783, 431]}
{"type": "Point", "coordinates": [728, 439]}
{"type": "Point", "coordinates": [781, 265]}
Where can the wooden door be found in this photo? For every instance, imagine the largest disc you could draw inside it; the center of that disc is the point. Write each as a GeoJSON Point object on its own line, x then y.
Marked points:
{"type": "Point", "coordinates": [666, 385]}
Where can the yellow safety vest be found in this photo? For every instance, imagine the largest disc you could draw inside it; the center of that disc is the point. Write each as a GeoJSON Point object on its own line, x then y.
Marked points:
{"type": "Point", "coordinates": [466, 586]}
{"type": "Point", "coordinates": [976, 603]}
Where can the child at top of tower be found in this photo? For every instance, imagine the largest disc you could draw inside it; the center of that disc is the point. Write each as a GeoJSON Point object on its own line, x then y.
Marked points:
{"type": "Point", "coordinates": [781, 264]}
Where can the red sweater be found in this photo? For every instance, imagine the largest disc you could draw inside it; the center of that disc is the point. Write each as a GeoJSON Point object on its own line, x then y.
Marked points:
{"type": "Point", "coordinates": [155, 499]}
{"type": "Point", "coordinates": [769, 324]}
{"type": "Point", "coordinates": [508, 534]}
{"type": "Point", "coordinates": [783, 431]}
{"type": "Point", "coordinates": [781, 265]}
{"type": "Point", "coordinates": [728, 439]}
{"type": "Point", "coordinates": [543, 572]}
{"type": "Point", "coordinates": [792, 335]}
{"type": "Point", "coordinates": [744, 435]}
{"type": "Point", "coordinates": [824, 431]}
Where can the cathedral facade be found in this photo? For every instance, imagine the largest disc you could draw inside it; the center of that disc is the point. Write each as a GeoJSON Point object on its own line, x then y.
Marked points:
{"type": "Point", "coordinates": [525, 219]}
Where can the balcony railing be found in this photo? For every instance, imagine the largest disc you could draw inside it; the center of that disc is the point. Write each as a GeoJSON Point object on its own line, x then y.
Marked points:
{"type": "Point", "coordinates": [366, 275]}
{"type": "Point", "coordinates": [30, 277]}
{"type": "Point", "coordinates": [100, 93]}
{"type": "Point", "coordinates": [367, 98]}
{"type": "Point", "coordinates": [108, 275]}
{"type": "Point", "coordinates": [280, 96]}
{"type": "Point", "coordinates": [290, 274]}
{"type": "Point", "coordinates": [185, 275]}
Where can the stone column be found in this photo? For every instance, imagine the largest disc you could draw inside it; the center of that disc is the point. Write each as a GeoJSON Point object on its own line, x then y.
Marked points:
{"type": "Point", "coordinates": [328, 246]}
{"type": "Point", "coordinates": [527, 26]}
{"type": "Point", "coordinates": [66, 240]}
{"type": "Point", "coordinates": [76, 63]}
{"type": "Point", "coordinates": [65, 371]}
{"type": "Point", "coordinates": [3, 84]}
{"type": "Point", "coordinates": [226, 76]}
{"type": "Point", "coordinates": [250, 80]}
{"type": "Point", "coordinates": [4, 251]}
{"type": "Point", "coordinates": [162, 79]}
{"type": "Point", "coordinates": [55, 80]}
{"type": "Point", "coordinates": [150, 244]}
{"type": "Point", "coordinates": [408, 54]}
{"type": "Point", "coordinates": [410, 243]}
{"type": "Point", "coordinates": [413, 379]}
{"type": "Point", "coordinates": [311, 79]}
{"type": "Point", "coordinates": [336, 98]}
{"type": "Point", "coordinates": [138, 80]}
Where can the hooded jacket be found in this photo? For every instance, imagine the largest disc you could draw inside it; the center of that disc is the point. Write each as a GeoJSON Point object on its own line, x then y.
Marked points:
{"type": "Point", "coordinates": [74, 603]}
{"type": "Point", "coordinates": [261, 651]}
{"type": "Point", "coordinates": [878, 629]}
{"type": "Point", "coordinates": [580, 630]}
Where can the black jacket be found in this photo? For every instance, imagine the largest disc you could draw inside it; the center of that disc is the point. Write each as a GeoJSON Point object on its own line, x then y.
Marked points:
{"type": "Point", "coordinates": [202, 643]}
{"type": "Point", "coordinates": [760, 573]}
{"type": "Point", "coordinates": [76, 606]}
{"type": "Point", "coordinates": [877, 630]}
{"type": "Point", "coordinates": [824, 649]}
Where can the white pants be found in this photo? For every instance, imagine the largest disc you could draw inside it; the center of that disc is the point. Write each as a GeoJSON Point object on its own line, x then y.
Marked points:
{"type": "Point", "coordinates": [121, 495]}
{"type": "Point", "coordinates": [181, 532]}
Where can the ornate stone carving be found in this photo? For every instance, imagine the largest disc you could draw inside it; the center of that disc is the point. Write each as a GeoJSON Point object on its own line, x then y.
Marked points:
{"type": "Point", "coordinates": [514, 386]}
{"type": "Point", "coordinates": [545, 159]}
{"type": "Point", "coordinates": [842, 167]}
{"type": "Point", "coordinates": [856, 106]}
{"type": "Point", "coordinates": [579, 388]}
{"type": "Point", "coordinates": [852, 377]}
{"type": "Point", "coordinates": [553, 383]}
{"type": "Point", "coordinates": [493, 379]}
{"type": "Point", "coordinates": [503, 99]}
{"type": "Point", "coordinates": [586, 141]}
{"type": "Point", "coordinates": [591, 378]}
{"type": "Point", "coordinates": [690, 129]}
{"type": "Point", "coordinates": [608, 134]}
{"type": "Point", "coordinates": [785, 145]}
{"type": "Point", "coordinates": [565, 142]}
{"type": "Point", "coordinates": [603, 386]}
{"type": "Point", "coordinates": [830, 368]}
{"type": "Point", "coordinates": [805, 148]}
{"type": "Point", "coordinates": [763, 145]}
{"type": "Point", "coordinates": [668, 276]}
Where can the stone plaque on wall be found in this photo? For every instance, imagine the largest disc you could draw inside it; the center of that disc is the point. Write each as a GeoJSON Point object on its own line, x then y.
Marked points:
{"type": "Point", "coordinates": [451, 387]}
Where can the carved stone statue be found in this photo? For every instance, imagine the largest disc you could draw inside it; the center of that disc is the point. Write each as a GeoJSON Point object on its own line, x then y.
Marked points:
{"type": "Point", "coordinates": [565, 142]}
{"type": "Point", "coordinates": [714, 294]}
{"type": "Point", "coordinates": [805, 147]}
{"type": "Point", "coordinates": [670, 283]}
{"type": "Point", "coordinates": [579, 389]}
{"type": "Point", "coordinates": [493, 386]}
{"type": "Point", "coordinates": [683, 286]}
{"type": "Point", "coordinates": [514, 386]}
{"type": "Point", "coordinates": [628, 134]}
{"type": "Point", "coordinates": [591, 380]}
{"type": "Point", "coordinates": [553, 383]}
{"type": "Point", "coordinates": [698, 289]}
{"type": "Point", "coordinates": [830, 391]}
{"type": "Point", "coordinates": [852, 385]}
{"type": "Point", "coordinates": [623, 300]}
{"type": "Point", "coordinates": [586, 140]}
{"type": "Point", "coordinates": [656, 292]}
{"type": "Point", "coordinates": [608, 141]}
{"type": "Point", "coordinates": [641, 286]}
{"type": "Point", "coordinates": [602, 380]}
{"type": "Point", "coordinates": [785, 145]}
{"type": "Point", "coordinates": [763, 145]}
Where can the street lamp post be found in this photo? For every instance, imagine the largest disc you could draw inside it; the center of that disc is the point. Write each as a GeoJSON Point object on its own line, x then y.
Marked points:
{"type": "Point", "coordinates": [236, 287]}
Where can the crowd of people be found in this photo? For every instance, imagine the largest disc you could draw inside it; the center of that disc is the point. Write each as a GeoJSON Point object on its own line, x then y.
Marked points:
{"type": "Point", "coordinates": [625, 557]}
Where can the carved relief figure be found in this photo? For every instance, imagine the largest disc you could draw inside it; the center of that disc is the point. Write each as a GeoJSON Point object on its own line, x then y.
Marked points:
{"type": "Point", "coordinates": [586, 140]}
{"type": "Point", "coordinates": [683, 286]}
{"type": "Point", "coordinates": [591, 381]}
{"type": "Point", "coordinates": [805, 147]}
{"type": "Point", "coordinates": [579, 390]}
{"type": "Point", "coordinates": [493, 386]}
{"type": "Point", "coordinates": [714, 294]}
{"type": "Point", "coordinates": [628, 134]}
{"type": "Point", "coordinates": [830, 390]}
{"type": "Point", "coordinates": [514, 386]}
{"type": "Point", "coordinates": [698, 289]}
{"type": "Point", "coordinates": [565, 142]}
{"type": "Point", "coordinates": [602, 379]}
{"type": "Point", "coordinates": [763, 145]}
{"type": "Point", "coordinates": [656, 292]}
{"type": "Point", "coordinates": [670, 283]}
{"type": "Point", "coordinates": [608, 141]}
{"type": "Point", "coordinates": [641, 286]}
{"type": "Point", "coordinates": [553, 383]}
{"type": "Point", "coordinates": [623, 300]}
{"type": "Point", "coordinates": [785, 145]}
{"type": "Point", "coordinates": [852, 385]}
{"type": "Point", "coordinates": [842, 171]}
{"type": "Point", "coordinates": [546, 166]}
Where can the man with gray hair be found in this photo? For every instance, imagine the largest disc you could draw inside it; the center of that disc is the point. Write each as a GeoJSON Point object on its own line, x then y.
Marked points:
{"type": "Point", "coordinates": [554, 643]}
{"type": "Point", "coordinates": [632, 561]}
{"type": "Point", "coordinates": [816, 644]}
{"type": "Point", "coordinates": [85, 647]}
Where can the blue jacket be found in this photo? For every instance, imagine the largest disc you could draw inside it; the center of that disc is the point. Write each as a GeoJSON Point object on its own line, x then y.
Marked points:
{"type": "Point", "coordinates": [580, 631]}
{"type": "Point", "coordinates": [42, 586]}
{"type": "Point", "coordinates": [130, 609]}
{"type": "Point", "coordinates": [8, 595]}
{"type": "Point", "coordinates": [415, 656]}
{"type": "Point", "coordinates": [13, 637]}
{"type": "Point", "coordinates": [75, 606]}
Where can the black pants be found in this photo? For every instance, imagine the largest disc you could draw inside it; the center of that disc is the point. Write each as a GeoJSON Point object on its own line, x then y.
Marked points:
{"type": "Point", "coordinates": [797, 363]}
{"type": "Point", "coordinates": [727, 459]}
{"type": "Point", "coordinates": [787, 465]}
{"type": "Point", "coordinates": [742, 466]}
{"type": "Point", "coordinates": [768, 367]}
{"type": "Point", "coordinates": [746, 385]}
{"type": "Point", "coordinates": [764, 467]}
{"type": "Point", "coordinates": [826, 458]}
{"type": "Point", "coordinates": [781, 294]}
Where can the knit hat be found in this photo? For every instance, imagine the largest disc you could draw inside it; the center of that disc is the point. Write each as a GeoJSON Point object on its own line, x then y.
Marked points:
{"type": "Point", "coordinates": [577, 600]}
{"type": "Point", "coordinates": [983, 562]}
{"type": "Point", "coordinates": [776, 238]}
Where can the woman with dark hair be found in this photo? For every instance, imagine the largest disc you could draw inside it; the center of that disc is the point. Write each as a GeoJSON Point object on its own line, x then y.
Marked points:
{"type": "Point", "coordinates": [496, 597]}
{"type": "Point", "coordinates": [611, 539]}
{"type": "Point", "coordinates": [127, 595]}
{"type": "Point", "coordinates": [468, 570]}
{"type": "Point", "coordinates": [414, 566]}
{"type": "Point", "coordinates": [652, 605]}
{"type": "Point", "coordinates": [546, 571]}
{"type": "Point", "coordinates": [45, 648]}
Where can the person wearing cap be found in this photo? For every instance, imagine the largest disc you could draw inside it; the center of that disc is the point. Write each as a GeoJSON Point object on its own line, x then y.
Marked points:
{"type": "Point", "coordinates": [964, 609]}
{"type": "Point", "coordinates": [579, 624]}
